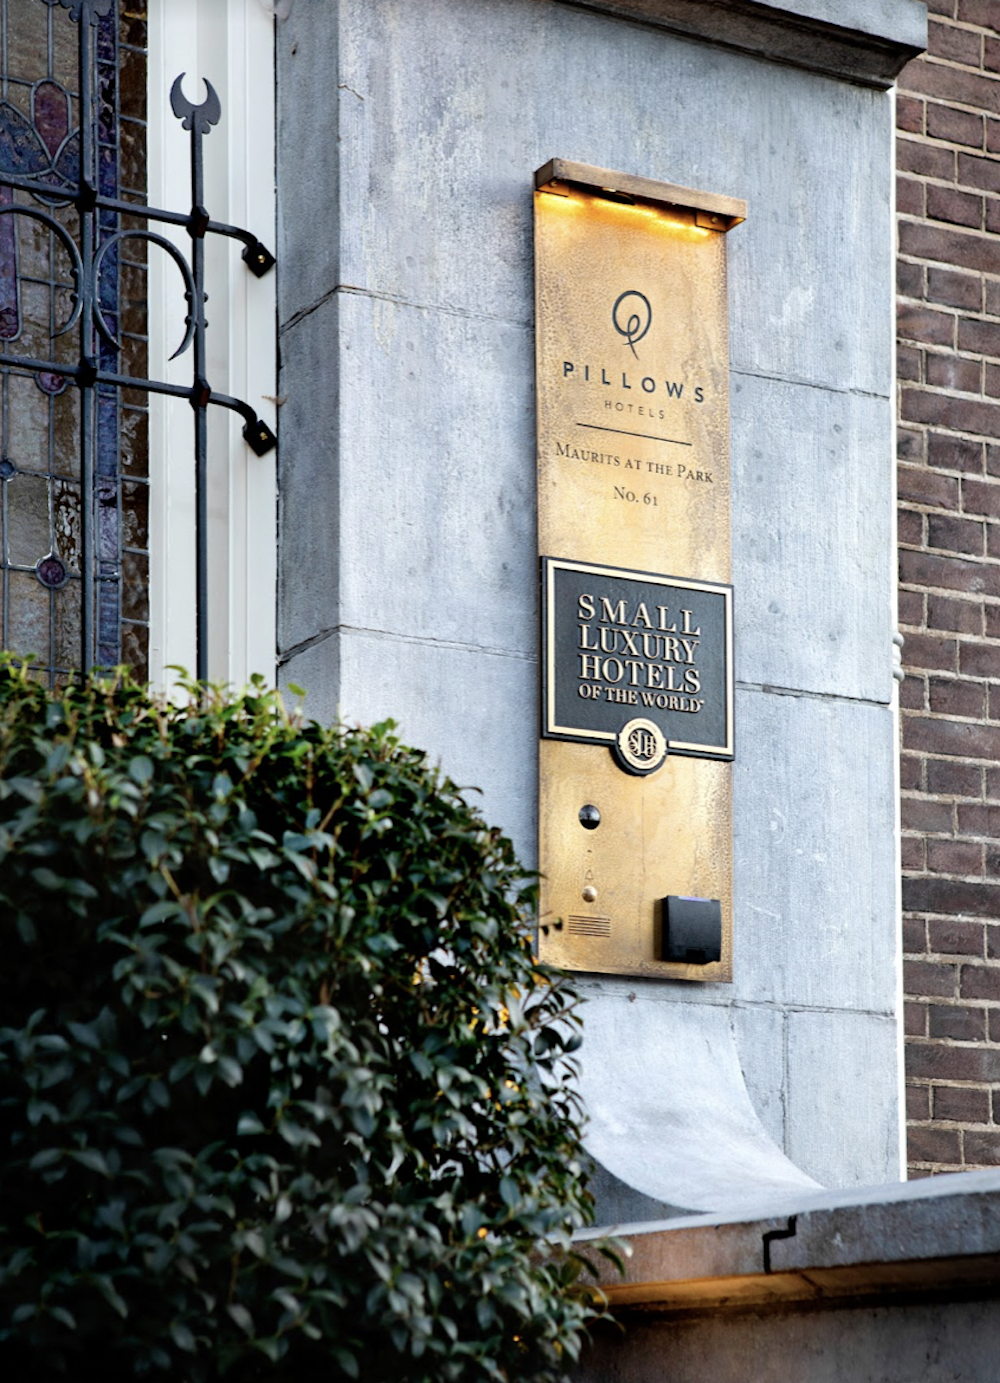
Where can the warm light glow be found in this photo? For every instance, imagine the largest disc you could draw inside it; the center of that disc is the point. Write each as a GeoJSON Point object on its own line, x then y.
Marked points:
{"type": "Point", "coordinates": [579, 201]}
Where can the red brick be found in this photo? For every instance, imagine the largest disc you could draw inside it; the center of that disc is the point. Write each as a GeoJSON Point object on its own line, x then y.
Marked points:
{"type": "Point", "coordinates": [910, 527]}
{"type": "Point", "coordinates": [992, 207]}
{"type": "Point", "coordinates": [979, 659]}
{"type": "Point", "coordinates": [954, 857]}
{"type": "Point", "coordinates": [992, 623]}
{"type": "Point", "coordinates": [992, 459]}
{"type": "Point", "coordinates": [958, 45]}
{"type": "Point", "coordinates": [955, 737]}
{"type": "Point", "coordinates": [955, 290]}
{"type": "Point", "coordinates": [928, 651]}
{"type": "Point", "coordinates": [992, 295]}
{"type": "Point", "coordinates": [993, 136]}
{"type": "Point", "coordinates": [954, 453]}
{"type": "Point", "coordinates": [951, 573]}
{"type": "Point", "coordinates": [958, 208]}
{"type": "Point", "coordinates": [936, 1061]}
{"type": "Point", "coordinates": [995, 1037]}
{"type": "Point", "coordinates": [991, 380]}
{"type": "Point", "coordinates": [915, 936]}
{"type": "Point", "coordinates": [942, 410]}
{"type": "Point", "coordinates": [910, 276]}
{"type": "Point", "coordinates": [910, 605]}
{"type": "Point", "coordinates": [981, 12]}
{"type": "Point", "coordinates": [942, 1145]}
{"type": "Point", "coordinates": [911, 765]}
{"type": "Point", "coordinates": [909, 444]}
{"type": "Point", "coordinates": [976, 820]}
{"type": "Point", "coordinates": [925, 160]}
{"type": "Point", "coordinates": [992, 854]}
{"type": "Point", "coordinates": [991, 50]}
{"type": "Point", "coordinates": [993, 783]}
{"type": "Point", "coordinates": [981, 337]}
{"type": "Point", "coordinates": [983, 173]}
{"type": "Point", "coordinates": [926, 487]}
{"type": "Point", "coordinates": [910, 115]}
{"type": "Point", "coordinates": [946, 936]}
{"type": "Point", "coordinates": [955, 126]}
{"type": "Point", "coordinates": [993, 540]}
{"type": "Point", "coordinates": [956, 535]}
{"type": "Point", "coordinates": [915, 1020]}
{"type": "Point", "coordinates": [982, 1148]}
{"type": "Point", "coordinates": [909, 363]}
{"type": "Point", "coordinates": [917, 814]}
{"type": "Point", "coordinates": [912, 852]}
{"type": "Point", "coordinates": [951, 696]}
{"type": "Point", "coordinates": [965, 616]}
{"type": "Point", "coordinates": [954, 84]}
{"type": "Point", "coordinates": [993, 941]}
{"type": "Point", "coordinates": [961, 1104]}
{"type": "Point", "coordinates": [913, 696]}
{"type": "Point", "coordinates": [929, 977]}
{"type": "Point", "coordinates": [962, 1024]}
{"type": "Point", "coordinates": [993, 696]}
{"type": "Point", "coordinates": [951, 779]}
{"type": "Point", "coordinates": [980, 497]}
{"type": "Point", "coordinates": [945, 7]}
{"type": "Point", "coordinates": [915, 322]}
{"type": "Point", "coordinates": [918, 1101]}
{"type": "Point", "coordinates": [980, 982]}
{"type": "Point", "coordinates": [954, 372]}
{"type": "Point", "coordinates": [954, 248]}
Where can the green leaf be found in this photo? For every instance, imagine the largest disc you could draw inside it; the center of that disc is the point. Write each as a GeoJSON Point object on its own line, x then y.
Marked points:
{"type": "Point", "coordinates": [46, 1158]}
{"type": "Point", "coordinates": [182, 1337]}
{"type": "Point", "coordinates": [242, 1317]}
{"type": "Point", "coordinates": [91, 1158]}
{"type": "Point", "coordinates": [509, 1192]}
{"type": "Point", "coordinates": [141, 770]}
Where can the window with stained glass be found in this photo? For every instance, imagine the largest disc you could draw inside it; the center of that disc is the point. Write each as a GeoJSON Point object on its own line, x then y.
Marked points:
{"type": "Point", "coordinates": [45, 100]}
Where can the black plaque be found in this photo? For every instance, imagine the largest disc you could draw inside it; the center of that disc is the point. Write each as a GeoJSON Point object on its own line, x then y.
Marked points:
{"type": "Point", "coordinates": [623, 646]}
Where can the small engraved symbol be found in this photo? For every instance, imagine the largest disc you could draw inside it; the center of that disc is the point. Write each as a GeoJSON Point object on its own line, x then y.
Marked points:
{"type": "Point", "coordinates": [642, 744]}
{"type": "Point", "coordinates": [632, 317]}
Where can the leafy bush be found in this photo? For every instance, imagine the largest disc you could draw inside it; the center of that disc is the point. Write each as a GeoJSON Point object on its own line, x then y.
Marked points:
{"type": "Point", "coordinates": [283, 1092]}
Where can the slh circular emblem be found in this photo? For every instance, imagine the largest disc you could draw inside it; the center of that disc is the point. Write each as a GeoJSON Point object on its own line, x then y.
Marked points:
{"type": "Point", "coordinates": [641, 746]}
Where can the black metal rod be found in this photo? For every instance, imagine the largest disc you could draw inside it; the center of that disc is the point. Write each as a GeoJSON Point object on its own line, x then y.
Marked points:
{"type": "Point", "coordinates": [149, 386]}
{"type": "Point", "coordinates": [86, 189]}
{"type": "Point", "coordinates": [200, 395]}
{"type": "Point", "coordinates": [39, 188]}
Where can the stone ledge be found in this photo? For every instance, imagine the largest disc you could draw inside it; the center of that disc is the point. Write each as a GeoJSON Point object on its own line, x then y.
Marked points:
{"type": "Point", "coordinates": [867, 41]}
{"type": "Point", "coordinates": [903, 1241]}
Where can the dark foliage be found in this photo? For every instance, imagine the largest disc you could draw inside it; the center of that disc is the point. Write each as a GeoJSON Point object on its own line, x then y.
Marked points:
{"type": "Point", "coordinates": [283, 1093]}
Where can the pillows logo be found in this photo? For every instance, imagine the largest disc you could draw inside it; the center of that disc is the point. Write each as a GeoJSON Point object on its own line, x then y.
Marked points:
{"type": "Point", "coordinates": [632, 317]}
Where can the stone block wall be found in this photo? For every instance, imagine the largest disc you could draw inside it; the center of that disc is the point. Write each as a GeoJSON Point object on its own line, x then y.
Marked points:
{"type": "Point", "coordinates": [948, 203]}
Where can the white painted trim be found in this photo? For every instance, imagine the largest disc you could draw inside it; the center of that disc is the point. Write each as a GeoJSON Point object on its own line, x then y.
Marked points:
{"type": "Point", "coordinates": [890, 655]}
{"type": "Point", "coordinates": [231, 42]}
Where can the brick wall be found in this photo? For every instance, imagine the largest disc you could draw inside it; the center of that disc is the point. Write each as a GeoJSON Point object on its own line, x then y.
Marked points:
{"type": "Point", "coordinates": [948, 160]}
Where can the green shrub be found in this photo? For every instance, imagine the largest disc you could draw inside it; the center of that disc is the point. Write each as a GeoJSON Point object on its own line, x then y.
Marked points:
{"type": "Point", "coordinates": [283, 1093]}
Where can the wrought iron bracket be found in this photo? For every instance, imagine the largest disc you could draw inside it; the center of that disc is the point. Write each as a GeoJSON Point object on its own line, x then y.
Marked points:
{"type": "Point", "coordinates": [87, 256]}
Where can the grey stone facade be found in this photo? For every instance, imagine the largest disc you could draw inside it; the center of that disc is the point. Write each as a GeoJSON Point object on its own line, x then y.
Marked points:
{"type": "Point", "coordinates": [408, 137]}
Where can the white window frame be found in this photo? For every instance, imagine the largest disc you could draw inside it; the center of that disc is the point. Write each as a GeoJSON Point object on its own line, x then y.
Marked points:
{"type": "Point", "coordinates": [230, 42]}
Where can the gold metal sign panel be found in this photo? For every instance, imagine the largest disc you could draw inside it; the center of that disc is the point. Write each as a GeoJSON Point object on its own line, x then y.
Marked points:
{"type": "Point", "coordinates": [632, 359]}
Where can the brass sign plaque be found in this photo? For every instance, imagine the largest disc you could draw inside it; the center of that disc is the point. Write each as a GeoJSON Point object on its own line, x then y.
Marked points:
{"type": "Point", "coordinates": [632, 368]}
{"type": "Point", "coordinates": [626, 644]}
